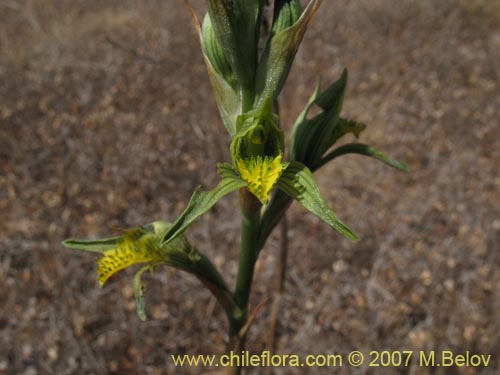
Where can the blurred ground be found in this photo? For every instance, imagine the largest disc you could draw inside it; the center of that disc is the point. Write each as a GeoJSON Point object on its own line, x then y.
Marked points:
{"type": "Point", "coordinates": [95, 136]}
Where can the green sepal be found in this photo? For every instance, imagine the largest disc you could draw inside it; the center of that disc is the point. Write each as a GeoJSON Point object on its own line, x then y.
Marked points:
{"type": "Point", "coordinates": [201, 202]}
{"type": "Point", "coordinates": [258, 134]}
{"type": "Point", "coordinates": [362, 149]}
{"type": "Point", "coordinates": [311, 138]}
{"type": "Point", "coordinates": [94, 246]}
{"type": "Point", "coordinates": [298, 182]}
{"type": "Point", "coordinates": [280, 50]}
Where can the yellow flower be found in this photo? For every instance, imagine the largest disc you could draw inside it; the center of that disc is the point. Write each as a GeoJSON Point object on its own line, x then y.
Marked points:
{"type": "Point", "coordinates": [131, 249]}
{"type": "Point", "coordinates": [261, 174]}
{"type": "Point", "coordinates": [137, 246]}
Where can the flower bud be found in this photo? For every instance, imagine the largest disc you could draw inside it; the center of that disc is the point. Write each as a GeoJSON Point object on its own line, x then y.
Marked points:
{"type": "Point", "coordinates": [236, 23]}
{"type": "Point", "coordinates": [286, 13]}
{"type": "Point", "coordinates": [289, 26]}
{"type": "Point", "coordinates": [214, 52]}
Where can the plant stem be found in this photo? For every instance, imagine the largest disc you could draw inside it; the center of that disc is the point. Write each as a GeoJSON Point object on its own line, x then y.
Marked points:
{"type": "Point", "coordinates": [250, 209]}
{"type": "Point", "coordinates": [247, 99]}
{"type": "Point", "coordinates": [206, 272]}
{"type": "Point", "coordinates": [249, 250]}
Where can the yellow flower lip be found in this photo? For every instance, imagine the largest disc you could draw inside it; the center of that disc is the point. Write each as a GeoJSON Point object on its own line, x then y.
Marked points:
{"type": "Point", "coordinates": [129, 251]}
{"type": "Point", "coordinates": [261, 174]}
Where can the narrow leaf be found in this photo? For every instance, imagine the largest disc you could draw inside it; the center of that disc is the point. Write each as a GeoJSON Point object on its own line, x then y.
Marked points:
{"type": "Point", "coordinates": [298, 182]}
{"type": "Point", "coordinates": [362, 149]}
{"type": "Point", "coordinates": [95, 246]}
{"type": "Point", "coordinates": [201, 202]}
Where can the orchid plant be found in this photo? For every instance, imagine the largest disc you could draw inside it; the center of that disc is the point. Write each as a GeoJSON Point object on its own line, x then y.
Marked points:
{"type": "Point", "coordinates": [247, 68]}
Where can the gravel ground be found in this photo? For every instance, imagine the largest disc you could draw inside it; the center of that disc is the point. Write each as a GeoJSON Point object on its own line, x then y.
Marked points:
{"type": "Point", "coordinates": [107, 120]}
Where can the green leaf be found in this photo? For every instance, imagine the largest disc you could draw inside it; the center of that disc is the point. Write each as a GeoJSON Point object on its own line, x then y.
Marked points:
{"type": "Point", "coordinates": [95, 246]}
{"type": "Point", "coordinates": [362, 149]}
{"type": "Point", "coordinates": [298, 182]}
{"type": "Point", "coordinates": [278, 56]}
{"type": "Point", "coordinates": [201, 202]}
{"type": "Point", "coordinates": [311, 138]}
{"type": "Point", "coordinates": [138, 292]}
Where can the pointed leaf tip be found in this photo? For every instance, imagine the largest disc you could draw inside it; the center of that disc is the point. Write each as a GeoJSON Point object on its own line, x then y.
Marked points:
{"type": "Point", "coordinates": [298, 182]}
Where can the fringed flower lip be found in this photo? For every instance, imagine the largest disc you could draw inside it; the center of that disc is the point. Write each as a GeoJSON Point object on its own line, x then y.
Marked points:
{"type": "Point", "coordinates": [261, 174]}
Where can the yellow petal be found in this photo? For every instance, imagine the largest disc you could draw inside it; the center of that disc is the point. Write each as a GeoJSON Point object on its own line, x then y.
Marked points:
{"type": "Point", "coordinates": [131, 250]}
{"type": "Point", "coordinates": [261, 174]}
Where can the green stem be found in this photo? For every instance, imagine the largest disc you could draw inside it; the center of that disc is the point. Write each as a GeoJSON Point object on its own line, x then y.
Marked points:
{"type": "Point", "coordinates": [250, 207]}
{"type": "Point", "coordinates": [210, 277]}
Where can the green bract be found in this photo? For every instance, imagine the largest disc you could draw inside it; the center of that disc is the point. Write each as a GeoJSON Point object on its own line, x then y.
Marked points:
{"type": "Point", "coordinates": [214, 52]}
{"type": "Point", "coordinates": [236, 25]}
